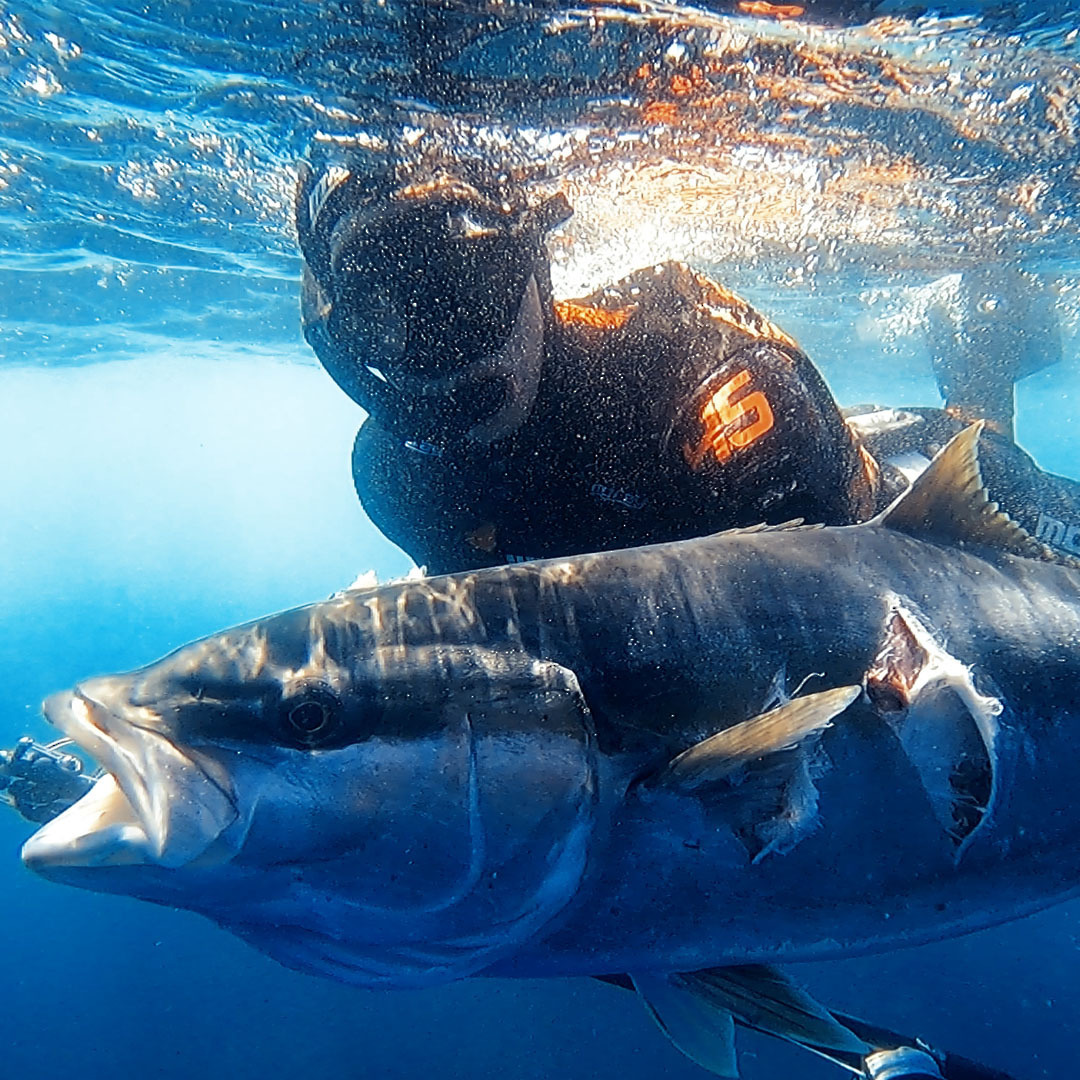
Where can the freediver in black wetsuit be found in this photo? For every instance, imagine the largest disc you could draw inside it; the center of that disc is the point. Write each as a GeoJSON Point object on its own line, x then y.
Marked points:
{"type": "Point", "coordinates": [505, 425]}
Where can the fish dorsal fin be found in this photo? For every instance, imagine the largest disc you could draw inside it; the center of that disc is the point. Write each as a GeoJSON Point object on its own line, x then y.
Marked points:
{"type": "Point", "coordinates": [697, 1010]}
{"type": "Point", "coordinates": [783, 728]}
{"type": "Point", "coordinates": [949, 503]}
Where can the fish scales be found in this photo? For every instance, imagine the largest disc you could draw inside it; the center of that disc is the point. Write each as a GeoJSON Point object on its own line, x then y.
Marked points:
{"type": "Point", "coordinates": [748, 620]}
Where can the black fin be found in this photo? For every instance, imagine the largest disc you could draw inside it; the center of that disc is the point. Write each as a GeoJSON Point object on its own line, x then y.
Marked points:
{"type": "Point", "coordinates": [949, 503]}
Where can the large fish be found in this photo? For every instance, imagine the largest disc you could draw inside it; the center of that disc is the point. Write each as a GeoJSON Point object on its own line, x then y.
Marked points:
{"type": "Point", "coordinates": [656, 764]}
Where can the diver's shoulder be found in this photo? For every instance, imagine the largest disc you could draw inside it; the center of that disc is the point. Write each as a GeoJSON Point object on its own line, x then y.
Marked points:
{"type": "Point", "coordinates": [717, 305]}
{"type": "Point", "coordinates": [671, 296]}
{"type": "Point", "coordinates": [669, 280]}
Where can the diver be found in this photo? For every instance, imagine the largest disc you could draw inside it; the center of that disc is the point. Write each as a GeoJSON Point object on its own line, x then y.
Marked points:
{"type": "Point", "coordinates": [999, 327]}
{"type": "Point", "coordinates": [505, 425]}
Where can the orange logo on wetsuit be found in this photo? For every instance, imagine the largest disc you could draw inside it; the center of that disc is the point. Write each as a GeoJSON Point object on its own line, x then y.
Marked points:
{"type": "Point", "coordinates": [776, 11]}
{"type": "Point", "coordinates": [731, 425]}
{"type": "Point", "coordinates": [597, 318]}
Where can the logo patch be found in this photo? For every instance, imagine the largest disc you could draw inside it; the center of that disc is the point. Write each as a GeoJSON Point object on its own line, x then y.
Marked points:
{"type": "Point", "coordinates": [424, 447]}
{"type": "Point", "coordinates": [595, 317]}
{"type": "Point", "coordinates": [333, 178]}
{"type": "Point", "coordinates": [1062, 535]}
{"type": "Point", "coordinates": [731, 425]}
{"type": "Point", "coordinates": [621, 496]}
{"type": "Point", "coordinates": [483, 537]}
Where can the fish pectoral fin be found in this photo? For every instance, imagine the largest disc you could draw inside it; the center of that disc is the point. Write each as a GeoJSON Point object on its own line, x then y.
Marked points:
{"type": "Point", "coordinates": [758, 776]}
{"type": "Point", "coordinates": [697, 1011]}
{"type": "Point", "coordinates": [698, 1028]}
{"type": "Point", "coordinates": [949, 503]}
{"type": "Point", "coordinates": [786, 727]}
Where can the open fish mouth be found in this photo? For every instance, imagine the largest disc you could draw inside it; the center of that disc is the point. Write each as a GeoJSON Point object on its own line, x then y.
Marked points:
{"type": "Point", "coordinates": [155, 805]}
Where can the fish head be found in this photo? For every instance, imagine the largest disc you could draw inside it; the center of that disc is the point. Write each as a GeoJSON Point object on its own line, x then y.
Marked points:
{"type": "Point", "coordinates": [381, 813]}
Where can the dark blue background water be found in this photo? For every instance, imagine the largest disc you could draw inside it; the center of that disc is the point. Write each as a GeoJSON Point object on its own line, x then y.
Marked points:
{"type": "Point", "coordinates": [172, 461]}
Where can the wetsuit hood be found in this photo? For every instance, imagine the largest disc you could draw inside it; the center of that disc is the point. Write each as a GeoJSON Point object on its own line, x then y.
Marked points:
{"type": "Point", "coordinates": [427, 302]}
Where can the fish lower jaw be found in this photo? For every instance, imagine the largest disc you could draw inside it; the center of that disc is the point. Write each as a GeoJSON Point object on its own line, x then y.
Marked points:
{"type": "Point", "coordinates": [100, 830]}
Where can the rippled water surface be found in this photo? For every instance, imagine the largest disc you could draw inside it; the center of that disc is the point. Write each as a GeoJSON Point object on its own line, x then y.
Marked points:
{"type": "Point", "coordinates": [171, 459]}
{"type": "Point", "coordinates": [147, 150]}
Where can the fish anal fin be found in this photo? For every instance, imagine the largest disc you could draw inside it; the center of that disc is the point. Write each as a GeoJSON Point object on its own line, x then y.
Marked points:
{"type": "Point", "coordinates": [721, 755]}
{"type": "Point", "coordinates": [696, 1009]}
{"type": "Point", "coordinates": [763, 997]}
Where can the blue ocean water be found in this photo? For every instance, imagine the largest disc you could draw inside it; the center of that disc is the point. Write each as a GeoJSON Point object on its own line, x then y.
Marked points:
{"type": "Point", "coordinates": [173, 460]}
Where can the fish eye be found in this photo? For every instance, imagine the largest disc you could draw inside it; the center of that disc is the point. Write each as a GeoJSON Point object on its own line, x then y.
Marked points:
{"type": "Point", "coordinates": [311, 715]}
{"type": "Point", "coordinates": [309, 718]}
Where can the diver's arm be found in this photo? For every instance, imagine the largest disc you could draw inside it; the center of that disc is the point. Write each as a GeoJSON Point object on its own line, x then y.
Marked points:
{"type": "Point", "coordinates": [749, 432]}
{"type": "Point", "coordinates": [412, 491]}
{"type": "Point", "coordinates": [754, 434]}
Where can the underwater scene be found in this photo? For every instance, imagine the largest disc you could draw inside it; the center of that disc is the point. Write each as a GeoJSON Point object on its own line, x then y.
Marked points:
{"type": "Point", "coordinates": [579, 263]}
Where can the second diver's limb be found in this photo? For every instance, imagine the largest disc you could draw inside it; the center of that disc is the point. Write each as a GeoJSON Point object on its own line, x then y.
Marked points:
{"type": "Point", "coordinates": [1000, 327]}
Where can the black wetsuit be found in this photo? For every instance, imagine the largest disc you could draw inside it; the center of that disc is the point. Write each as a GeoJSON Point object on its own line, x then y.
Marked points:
{"type": "Point", "coordinates": [668, 408]}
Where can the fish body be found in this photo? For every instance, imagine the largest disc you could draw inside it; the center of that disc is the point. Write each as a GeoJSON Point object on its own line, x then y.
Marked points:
{"type": "Point", "coordinates": [767, 745]}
